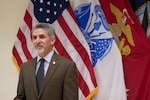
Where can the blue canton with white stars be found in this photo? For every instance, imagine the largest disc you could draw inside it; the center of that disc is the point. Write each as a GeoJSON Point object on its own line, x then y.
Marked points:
{"type": "Point", "coordinates": [47, 11]}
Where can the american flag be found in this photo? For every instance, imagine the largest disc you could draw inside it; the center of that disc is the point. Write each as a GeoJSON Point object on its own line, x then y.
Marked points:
{"type": "Point", "coordinates": [70, 41]}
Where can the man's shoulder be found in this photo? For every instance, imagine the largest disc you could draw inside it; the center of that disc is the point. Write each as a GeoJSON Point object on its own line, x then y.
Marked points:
{"type": "Point", "coordinates": [62, 58]}
{"type": "Point", "coordinates": [30, 61]}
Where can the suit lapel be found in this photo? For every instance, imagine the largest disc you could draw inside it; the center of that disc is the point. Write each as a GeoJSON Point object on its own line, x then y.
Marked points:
{"type": "Point", "coordinates": [33, 77]}
{"type": "Point", "coordinates": [52, 67]}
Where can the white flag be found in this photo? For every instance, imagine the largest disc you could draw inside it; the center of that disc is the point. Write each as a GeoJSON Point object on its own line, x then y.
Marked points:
{"type": "Point", "coordinates": [105, 55]}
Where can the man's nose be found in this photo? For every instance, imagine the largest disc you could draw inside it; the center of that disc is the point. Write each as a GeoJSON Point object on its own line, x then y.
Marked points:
{"type": "Point", "coordinates": [38, 40]}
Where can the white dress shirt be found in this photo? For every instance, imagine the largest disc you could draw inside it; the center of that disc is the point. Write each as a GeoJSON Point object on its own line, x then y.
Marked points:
{"type": "Point", "coordinates": [46, 63]}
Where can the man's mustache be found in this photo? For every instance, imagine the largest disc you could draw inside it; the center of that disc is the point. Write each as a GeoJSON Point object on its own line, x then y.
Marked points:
{"type": "Point", "coordinates": [37, 45]}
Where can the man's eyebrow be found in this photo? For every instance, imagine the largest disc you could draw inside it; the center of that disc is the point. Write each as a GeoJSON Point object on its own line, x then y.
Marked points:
{"type": "Point", "coordinates": [42, 36]}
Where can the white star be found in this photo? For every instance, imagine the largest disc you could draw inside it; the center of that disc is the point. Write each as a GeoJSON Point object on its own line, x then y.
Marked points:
{"type": "Point", "coordinates": [48, 3]}
{"type": "Point", "coordinates": [41, 1]}
{"type": "Point", "coordinates": [60, 5]}
{"type": "Point", "coordinates": [41, 9]}
{"type": "Point", "coordinates": [55, 4]}
{"type": "Point", "coordinates": [48, 11]}
{"type": "Point", "coordinates": [55, 12]}
{"type": "Point", "coordinates": [47, 19]}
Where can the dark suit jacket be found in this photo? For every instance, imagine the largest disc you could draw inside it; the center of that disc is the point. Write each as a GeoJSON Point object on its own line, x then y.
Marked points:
{"type": "Point", "coordinates": [60, 82]}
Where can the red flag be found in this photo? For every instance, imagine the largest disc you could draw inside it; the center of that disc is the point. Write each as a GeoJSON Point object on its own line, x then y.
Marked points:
{"type": "Point", "coordinates": [134, 46]}
{"type": "Point", "coordinates": [70, 41]}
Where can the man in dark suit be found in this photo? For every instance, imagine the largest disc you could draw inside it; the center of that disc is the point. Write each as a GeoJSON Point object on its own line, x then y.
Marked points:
{"type": "Point", "coordinates": [59, 74]}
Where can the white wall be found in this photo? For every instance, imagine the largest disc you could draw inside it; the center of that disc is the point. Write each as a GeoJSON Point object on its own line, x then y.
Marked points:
{"type": "Point", "coordinates": [11, 15]}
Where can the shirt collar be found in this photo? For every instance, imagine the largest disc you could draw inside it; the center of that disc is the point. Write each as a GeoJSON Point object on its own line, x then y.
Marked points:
{"type": "Point", "coordinates": [47, 57]}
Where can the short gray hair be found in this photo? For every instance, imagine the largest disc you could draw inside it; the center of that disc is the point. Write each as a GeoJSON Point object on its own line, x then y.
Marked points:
{"type": "Point", "coordinates": [45, 26]}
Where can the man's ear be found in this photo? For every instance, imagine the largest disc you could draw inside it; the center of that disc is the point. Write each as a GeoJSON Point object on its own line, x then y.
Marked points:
{"type": "Point", "coordinates": [53, 40]}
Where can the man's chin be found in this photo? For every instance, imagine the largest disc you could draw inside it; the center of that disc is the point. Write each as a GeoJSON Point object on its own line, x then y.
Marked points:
{"type": "Point", "coordinates": [40, 51]}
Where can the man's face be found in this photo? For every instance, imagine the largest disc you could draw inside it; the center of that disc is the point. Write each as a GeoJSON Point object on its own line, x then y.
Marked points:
{"type": "Point", "coordinates": [42, 42]}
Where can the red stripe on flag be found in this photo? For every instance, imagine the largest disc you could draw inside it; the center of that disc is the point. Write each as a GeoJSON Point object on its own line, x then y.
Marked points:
{"type": "Point", "coordinates": [84, 88]}
{"type": "Point", "coordinates": [60, 48]}
{"type": "Point", "coordinates": [28, 20]}
{"type": "Point", "coordinates": [22, 39]}
{"type": "Point", "coordinates": [72, 14]}
{"type": "Point", "coordinates": [17, 57]}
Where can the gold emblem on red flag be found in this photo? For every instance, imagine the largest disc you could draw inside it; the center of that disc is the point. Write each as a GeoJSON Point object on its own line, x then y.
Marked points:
{"type": "Point", "coordinates": [121, 27]}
